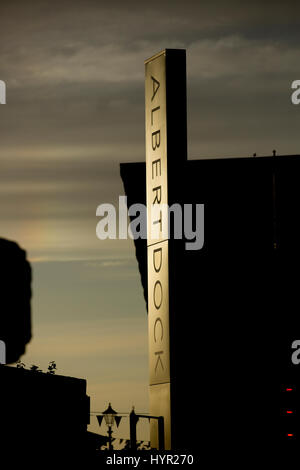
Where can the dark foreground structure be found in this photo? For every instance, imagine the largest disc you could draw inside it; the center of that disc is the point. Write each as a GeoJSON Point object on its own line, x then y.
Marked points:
{"type": "Point", "coordinates": [43, 416]}
{"type": "Point", "coordinates": [15, 288]}
{"type": "Point", "coordinates": [235, 302]}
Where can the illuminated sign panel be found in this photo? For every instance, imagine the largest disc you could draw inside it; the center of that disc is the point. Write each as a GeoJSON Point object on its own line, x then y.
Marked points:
{"type": "Point", "coordinates": [157, 220]}
{"type": "Point", "coordinates": [157, 243]}
{"type": "Point", "coordinates": [165, 107]}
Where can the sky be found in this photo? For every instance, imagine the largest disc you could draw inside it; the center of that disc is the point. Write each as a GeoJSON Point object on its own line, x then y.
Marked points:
{"type": "Point", "coordinates": [74, 72]}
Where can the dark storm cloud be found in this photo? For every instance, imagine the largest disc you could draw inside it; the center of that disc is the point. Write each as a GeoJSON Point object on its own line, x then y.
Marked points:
{"type": "Point", "coordinates": [86, 115]}
{"type": "Point", "coordinates": [75, 93]}
{"type": "Point", "coordinates": [74, 70]}
{"type": "Point", "coordinates": [57, 189]}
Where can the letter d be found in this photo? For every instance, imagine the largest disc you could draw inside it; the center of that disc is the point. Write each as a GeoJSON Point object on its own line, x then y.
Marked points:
{"type": "Point", "coordinates": [157, 259]}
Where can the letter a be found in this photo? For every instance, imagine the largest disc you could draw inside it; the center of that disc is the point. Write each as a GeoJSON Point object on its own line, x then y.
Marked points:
{"type": "Point", "coordinates": [156, 86]}
{"type": "Point", "coordinates": [106, 228]}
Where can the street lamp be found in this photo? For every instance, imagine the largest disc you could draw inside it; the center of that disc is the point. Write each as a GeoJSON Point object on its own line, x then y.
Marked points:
{"type": "Point", "coordinates": [109, 416]}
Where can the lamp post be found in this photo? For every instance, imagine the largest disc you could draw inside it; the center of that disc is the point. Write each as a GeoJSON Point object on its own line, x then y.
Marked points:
{"type": "Point", "coordinates": [109, 416]}
{"type": "Point", "coordinates": [133, 419]}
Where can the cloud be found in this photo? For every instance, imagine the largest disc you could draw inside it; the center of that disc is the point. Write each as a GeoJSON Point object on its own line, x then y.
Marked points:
{"type": "Point", "coordinates": [236, 56]}
{"type": "Point", "coordinates": [81, 342]}
{"type": "Point", "coordinates": [75, 109]}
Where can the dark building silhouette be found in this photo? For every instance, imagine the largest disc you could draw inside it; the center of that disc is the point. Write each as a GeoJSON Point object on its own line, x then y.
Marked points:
{"type": "Point", "coordinates": [235, 301]}
{"type": "Point", "coordinates": [15, 282]}
{"type": "Point", "coordinates": [43, 415]}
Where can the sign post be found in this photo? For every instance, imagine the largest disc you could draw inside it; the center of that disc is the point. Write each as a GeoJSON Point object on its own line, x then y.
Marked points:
{"type": "Point", "coordinates": [166, 152]}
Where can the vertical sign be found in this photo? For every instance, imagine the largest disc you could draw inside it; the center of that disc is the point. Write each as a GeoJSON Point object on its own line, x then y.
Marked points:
{"type": "Point", "coordinates": [162, 138]}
